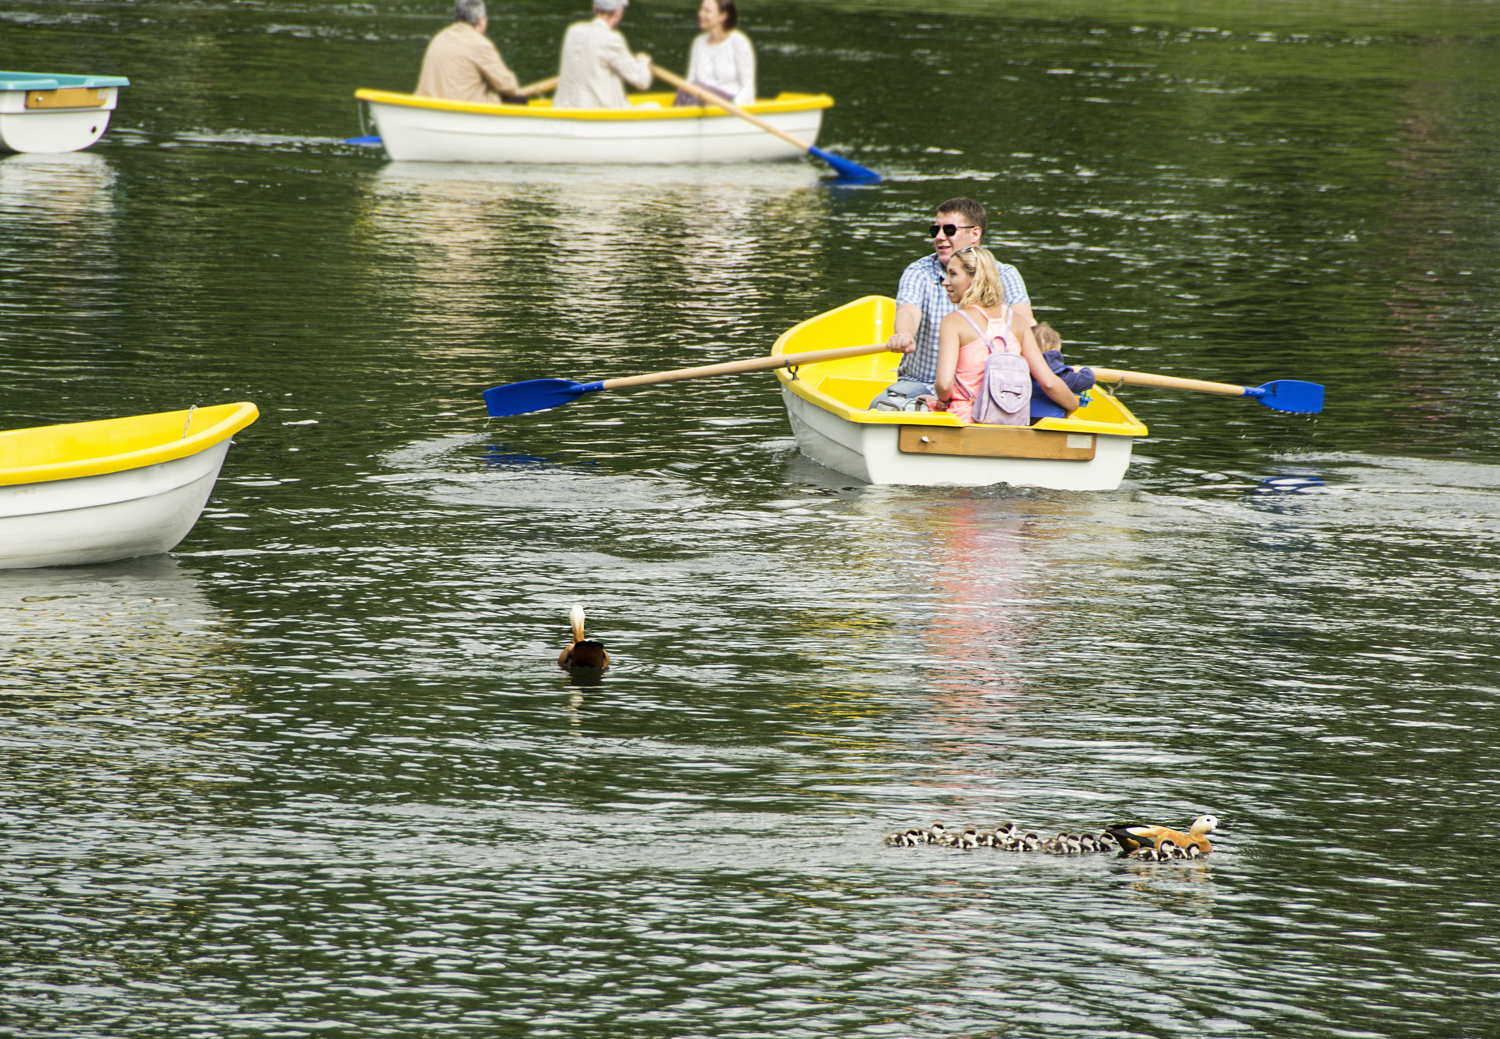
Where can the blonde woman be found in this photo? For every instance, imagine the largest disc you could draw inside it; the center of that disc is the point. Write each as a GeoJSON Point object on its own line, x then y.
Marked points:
{"type": "Point", "coordinates": [972, 280]}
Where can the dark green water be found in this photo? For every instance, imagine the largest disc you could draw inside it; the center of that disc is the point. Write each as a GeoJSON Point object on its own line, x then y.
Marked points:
{"type": "Point", "coordinates": [315, 772]}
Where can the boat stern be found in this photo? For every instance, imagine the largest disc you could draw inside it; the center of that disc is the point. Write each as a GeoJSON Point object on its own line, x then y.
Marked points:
{"type": "Point", "coordinates": [49, 113]}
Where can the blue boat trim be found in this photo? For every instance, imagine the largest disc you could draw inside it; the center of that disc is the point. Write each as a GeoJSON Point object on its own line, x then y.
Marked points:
{"type": "Point", "coordinates": [56, 81]}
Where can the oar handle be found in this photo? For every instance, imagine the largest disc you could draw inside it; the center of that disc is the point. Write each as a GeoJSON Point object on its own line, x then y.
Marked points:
{"type": "Point", "coordinates": [1171, 382]}
{"type": "Point", "coordinates": [541, 86]}
{"type": "Point", "coordinates": [755, 364]}
{"type": "Point", "coordinates": [708, 97]}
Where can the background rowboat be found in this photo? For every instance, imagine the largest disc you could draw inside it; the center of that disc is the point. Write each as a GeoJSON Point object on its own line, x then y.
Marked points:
{"type": "Point", "coordinates": [827, 402]}
{"type": "Point", "coordinates": [90, 492]}
{"type": "Point", "coordinates": [424, 129]}
{"type": "Point", "coordinates": [43, 112]}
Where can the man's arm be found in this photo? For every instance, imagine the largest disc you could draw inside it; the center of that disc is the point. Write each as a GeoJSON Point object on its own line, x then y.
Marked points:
{"type": "Point", "coordinates": [1020, 302]}
{"type": "Point", "coordinates": [1024, 319]}
{"type": "Point", "coordinates": [492, 69]}
{"type": "Point", "coordinates": [908, 320]}
{"type": "Point", "coordinates": [635, 70]}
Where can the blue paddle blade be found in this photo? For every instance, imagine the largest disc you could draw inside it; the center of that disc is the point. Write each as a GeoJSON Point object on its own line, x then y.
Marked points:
{"type": "Point", "coordinates": [372, 142]}
{"type": "Point", "coordinates": [1303, 398]}
{"type": "Point", "coordinates": [846, 169]}
{"type": "Point", "coordinates": [520, 398]}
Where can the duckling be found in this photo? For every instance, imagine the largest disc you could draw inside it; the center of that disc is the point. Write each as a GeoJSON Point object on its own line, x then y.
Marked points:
{"type": "Point", "coordinates": [583, 653]}
{"type": "Point", "coordinates": [1087, 844]}
{"type": "Point", "coordinates": [1056, 845]}
{"type": "Point", "coordinates": [1145, 853]}
{"type": "Point", "coordinates": [969, 839]}
{"type": "Point", "coordinates": [1191, 852]}
{"type": "Point", "coordinates": [937, 833]}
{"type": "Point", "coordinates": [1135, 835]}
{"type": "Point", "coordinates": [1031, 842]}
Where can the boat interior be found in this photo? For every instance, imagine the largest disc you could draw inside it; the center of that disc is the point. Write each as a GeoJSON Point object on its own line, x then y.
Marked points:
{"type": "Point", "coordinates": [847, 386]}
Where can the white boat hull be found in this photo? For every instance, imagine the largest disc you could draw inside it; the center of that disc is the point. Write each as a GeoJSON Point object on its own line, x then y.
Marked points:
{"type": "Point", "coordinates": [51, 130]}
{"type": "Point", "coordinates": [871, 453]}
{"type": "Point", "coordinates": [96, 519]}
{"type": "Point", "coordinates": [421, 134]}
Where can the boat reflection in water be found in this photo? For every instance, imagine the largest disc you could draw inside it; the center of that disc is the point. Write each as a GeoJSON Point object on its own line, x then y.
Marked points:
{"type": "Point", "coordinates": [499, 252]}
{"type": "Point", "coordinates": [57, 189]}
{"type": "Point", "coordinates": [133, 627]}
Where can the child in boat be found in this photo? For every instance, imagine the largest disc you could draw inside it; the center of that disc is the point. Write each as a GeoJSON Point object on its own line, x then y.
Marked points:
{"type": "Point", "coordinates": [972, 281]}
{"type": "Point", "coordinates": [1050, 344]}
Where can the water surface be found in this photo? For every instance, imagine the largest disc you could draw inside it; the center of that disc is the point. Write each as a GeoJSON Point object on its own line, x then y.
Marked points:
{"type": "Point", "coordinates": [316, 771]}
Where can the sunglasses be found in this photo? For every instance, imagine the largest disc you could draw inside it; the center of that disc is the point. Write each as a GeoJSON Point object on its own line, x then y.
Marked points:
{"type": "Point", "coordinates": [949, 230]}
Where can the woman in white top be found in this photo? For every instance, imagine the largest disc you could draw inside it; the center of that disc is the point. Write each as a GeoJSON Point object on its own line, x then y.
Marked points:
{"type": "Point", "coordinates": [721, 58]}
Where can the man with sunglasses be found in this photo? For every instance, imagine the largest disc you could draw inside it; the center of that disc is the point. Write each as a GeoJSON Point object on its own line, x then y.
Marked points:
{"type": "Point", "coordinates": [922, 303]}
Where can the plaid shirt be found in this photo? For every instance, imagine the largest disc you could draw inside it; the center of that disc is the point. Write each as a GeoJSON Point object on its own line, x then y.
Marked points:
{"type": "Point", "coordinates": [922, 286]}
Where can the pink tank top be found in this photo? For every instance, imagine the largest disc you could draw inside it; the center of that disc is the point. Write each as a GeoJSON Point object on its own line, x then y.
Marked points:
{"type": "Point", "coordinates": [972, 356]}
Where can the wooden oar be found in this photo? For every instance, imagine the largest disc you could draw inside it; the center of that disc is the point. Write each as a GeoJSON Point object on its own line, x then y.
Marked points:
{"type": "Point", "coordinates": [845, 168]}
{"type": "Point", "coordinates": [519, 398]}
{"type": "Point", "coordinates": [1282, 395]}
{"type": "Point", "coordinates": [541, 86]}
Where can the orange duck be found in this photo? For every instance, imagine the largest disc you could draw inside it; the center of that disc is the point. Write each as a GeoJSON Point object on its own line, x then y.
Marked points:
{"type": "Point", "coordinates": [583, 653]}
{"type": "Point", "coordinates": [1135, 836]}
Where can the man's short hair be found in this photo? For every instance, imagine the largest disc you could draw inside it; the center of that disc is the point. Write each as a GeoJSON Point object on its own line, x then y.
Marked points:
{"type": "Point", "coordinates": [970, 210]}
{"type": "Point", "coordinates": [470, 11]}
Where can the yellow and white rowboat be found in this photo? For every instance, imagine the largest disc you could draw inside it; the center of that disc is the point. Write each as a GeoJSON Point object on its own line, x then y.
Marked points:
{"type": "Point", "coordinates": [827, 404]}
{"type": "Point", "coordinates": [650, 132]}
{"type": "Point", "coordinates": [90, 492]}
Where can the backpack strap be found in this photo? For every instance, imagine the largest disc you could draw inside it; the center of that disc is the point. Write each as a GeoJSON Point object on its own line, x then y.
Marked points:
{"type": "Point", "coordinates": [988, 342]}
{"type": "Point", "coordinates": [989, 345]}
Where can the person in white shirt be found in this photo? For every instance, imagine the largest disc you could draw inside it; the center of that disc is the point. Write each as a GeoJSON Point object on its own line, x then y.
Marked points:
{"type": "Point", "coordinates": [595, 58]}
{"type": "Point", "coordinates": [721, 58]}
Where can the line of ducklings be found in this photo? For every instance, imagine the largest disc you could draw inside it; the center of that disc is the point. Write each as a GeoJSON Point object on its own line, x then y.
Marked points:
{"type": "Point", "coordinates": [1128, 840]}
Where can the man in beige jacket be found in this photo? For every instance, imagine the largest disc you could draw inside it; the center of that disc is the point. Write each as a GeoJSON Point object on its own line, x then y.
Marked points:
{"type": "Point", "coordinates": [462, 64]}
{"type": "Point", "coordinates": [595, 58]}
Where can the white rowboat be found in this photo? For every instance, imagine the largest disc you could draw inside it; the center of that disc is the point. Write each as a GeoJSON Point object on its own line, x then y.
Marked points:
{"type": "Point", "coordinates": [650, 132]}
{"type": "Point", "coordinates": [43, 112]}
{"type": "Point", "coordinates": [828, 402]}
{"type": "Point", "coordinates": [91, 492]}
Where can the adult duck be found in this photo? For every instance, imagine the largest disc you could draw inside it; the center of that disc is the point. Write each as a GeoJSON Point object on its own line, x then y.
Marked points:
{"type": "Point", "coordinates": [583, 654]}
{"type": "Point", "coordinates": [1135, 836]}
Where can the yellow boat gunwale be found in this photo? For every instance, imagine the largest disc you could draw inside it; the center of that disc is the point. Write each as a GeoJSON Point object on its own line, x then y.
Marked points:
{"type": "Point", "coordinates": [883, 366]}
{"type": "Point", "coordinates": [131, 442]}
{"type": "Point", "coordinates": [541, 108]}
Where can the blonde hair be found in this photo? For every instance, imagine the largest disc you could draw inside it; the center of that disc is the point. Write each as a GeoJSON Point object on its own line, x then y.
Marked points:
{"type": "Point", "coordinates": [986, 290]}
{"type": "Point", "coordinates": [1046, 337]}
